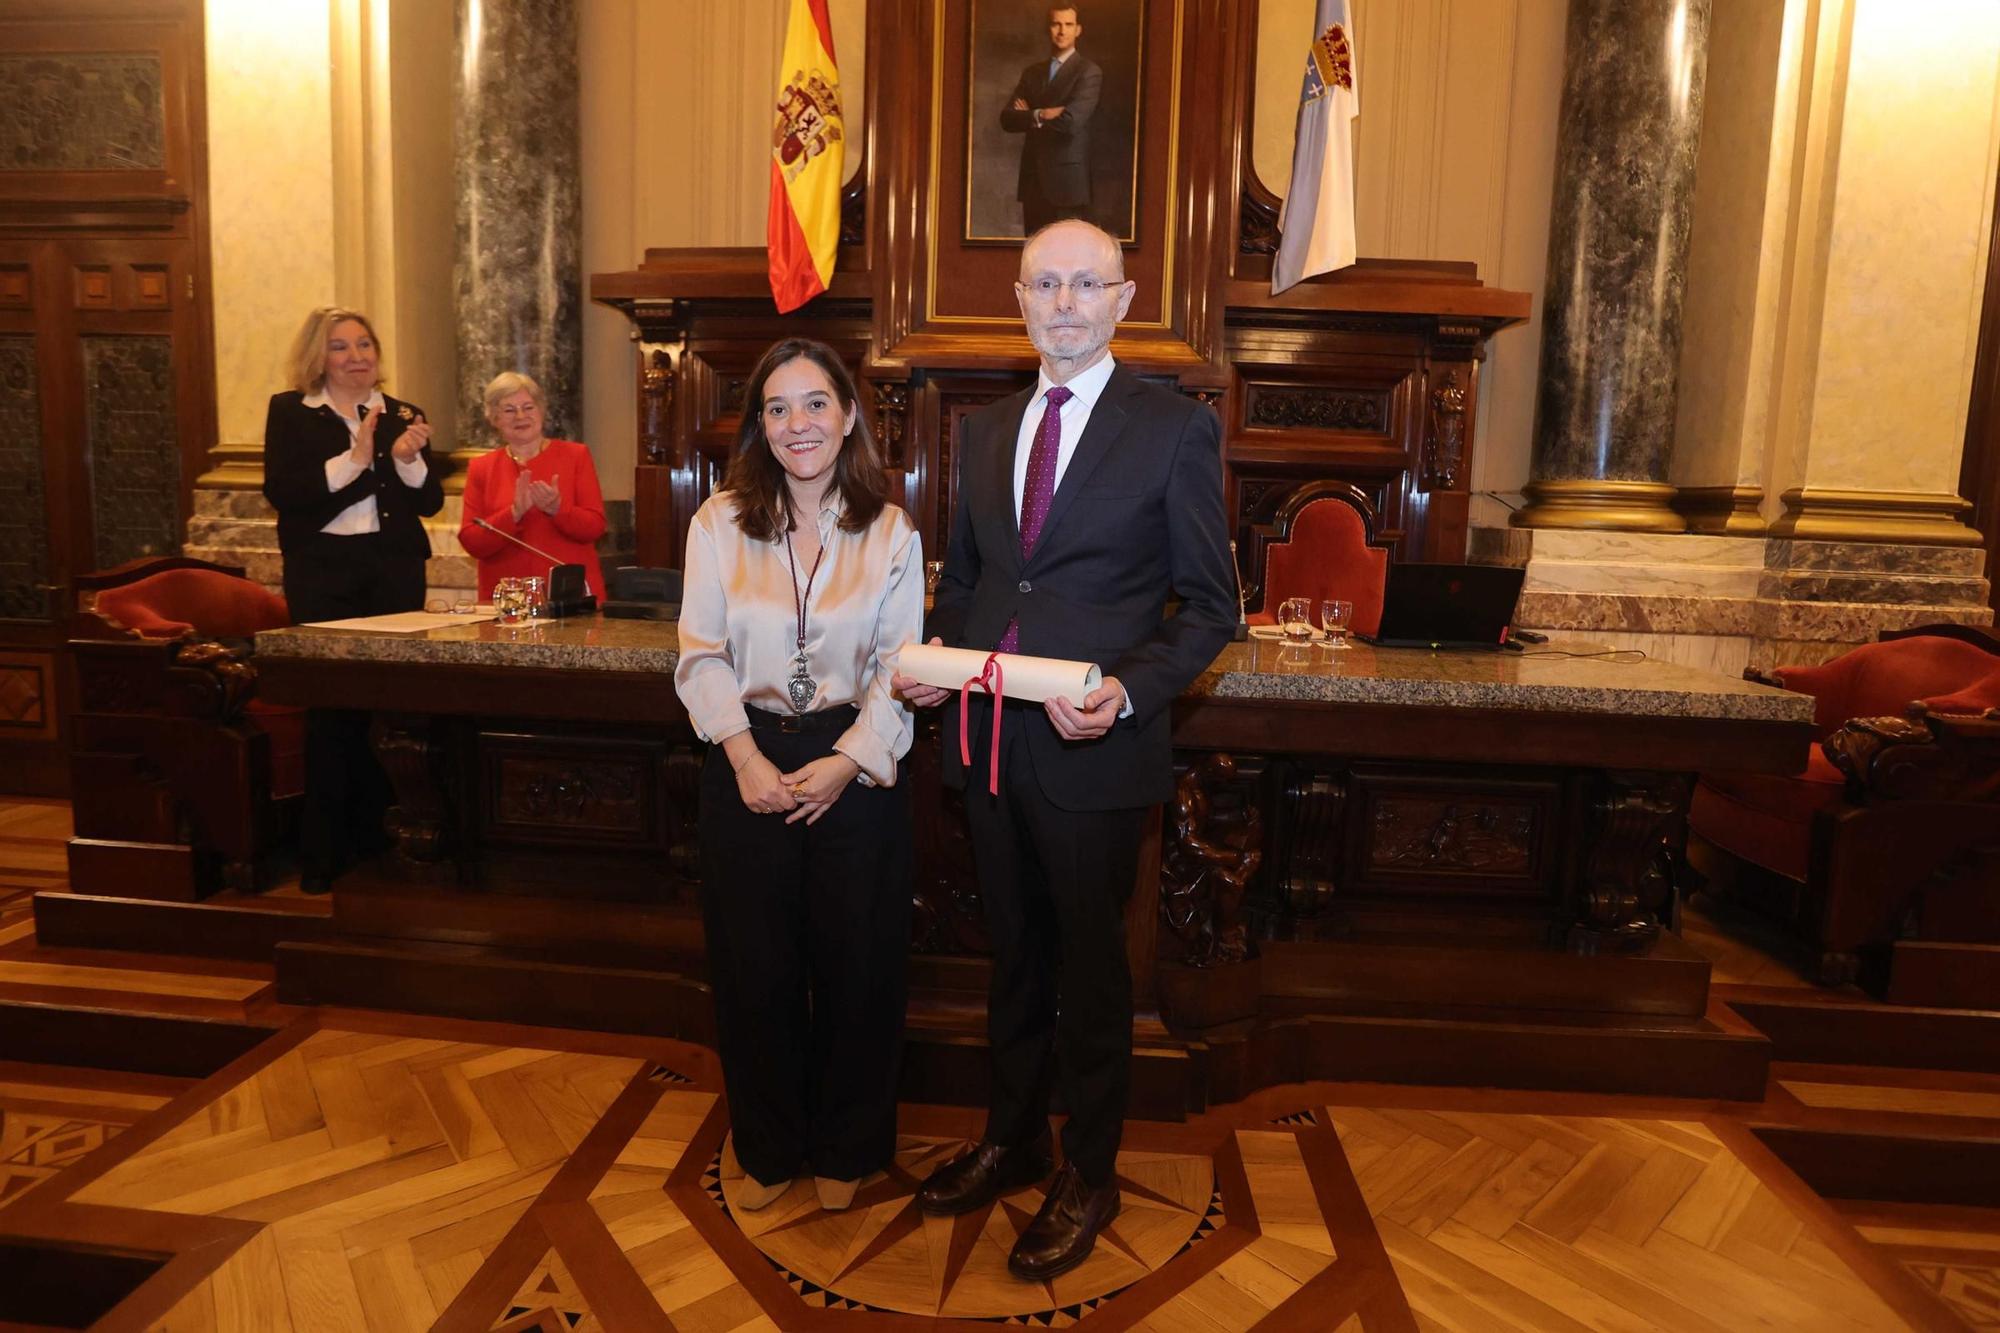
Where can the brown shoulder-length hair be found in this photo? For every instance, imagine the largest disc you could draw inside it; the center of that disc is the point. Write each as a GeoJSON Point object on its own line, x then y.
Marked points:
{"type": "Point", "coordinates": [764, 505]}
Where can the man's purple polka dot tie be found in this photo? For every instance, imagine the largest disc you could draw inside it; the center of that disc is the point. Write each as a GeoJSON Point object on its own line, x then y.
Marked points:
{"type": "Point", "coordinates": [1039, 491]}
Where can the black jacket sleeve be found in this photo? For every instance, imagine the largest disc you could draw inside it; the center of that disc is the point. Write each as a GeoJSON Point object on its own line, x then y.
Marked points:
{"type": "Point", "coordinates": [297, 443]}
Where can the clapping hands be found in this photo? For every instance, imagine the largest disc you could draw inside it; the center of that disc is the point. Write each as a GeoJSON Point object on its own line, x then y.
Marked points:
{"type": "Point", "coordinates": [531, 494]}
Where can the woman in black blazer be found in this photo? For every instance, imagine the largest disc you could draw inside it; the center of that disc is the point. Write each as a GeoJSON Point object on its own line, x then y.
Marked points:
{"type": "Point", "coordinates": [350, 472]}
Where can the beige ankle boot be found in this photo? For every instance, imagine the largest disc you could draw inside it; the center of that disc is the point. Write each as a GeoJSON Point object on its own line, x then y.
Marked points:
{"type": "Point", "coordinates": [835, 1195]}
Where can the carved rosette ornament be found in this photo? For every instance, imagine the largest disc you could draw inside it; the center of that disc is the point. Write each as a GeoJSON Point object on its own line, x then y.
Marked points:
{"type": "Point", "coordinates": [1317, 409]}
{"type": "Point", "coordinates": [1446, 454]}
{"type": "Point", "coordinates": [1205, 871]}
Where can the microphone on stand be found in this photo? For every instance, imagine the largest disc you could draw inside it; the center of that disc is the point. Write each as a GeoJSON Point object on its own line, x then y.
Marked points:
{"type": "Point", "coordinates": [1242, 631]}
{"type": "Point", "coordinates": [569, 593]}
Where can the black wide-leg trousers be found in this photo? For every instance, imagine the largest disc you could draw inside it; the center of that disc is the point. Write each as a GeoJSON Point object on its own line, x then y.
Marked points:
{"type": "Point", "coordinates": [1055, 883]}
{"type": "Point", "coordinates": [347, 793]}
{"type": "Point", "coordinates": [808, 930]}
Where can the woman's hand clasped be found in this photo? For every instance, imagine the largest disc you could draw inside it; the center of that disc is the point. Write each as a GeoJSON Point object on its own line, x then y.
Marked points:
{"type": "Point", "coordinates": [818, 785]}
{"type": "Point", "coordinates": [763, 790]}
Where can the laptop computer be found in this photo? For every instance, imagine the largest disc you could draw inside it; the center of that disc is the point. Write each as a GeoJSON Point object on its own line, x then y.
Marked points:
{"type": "Point", "coordinates": [1448, 606]}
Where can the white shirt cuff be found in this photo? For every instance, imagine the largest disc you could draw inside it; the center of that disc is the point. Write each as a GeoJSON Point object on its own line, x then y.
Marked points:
{"type": "Point", "coordinates": [413, 471]}
{"type": "Point", "coordinates": [341, 470]}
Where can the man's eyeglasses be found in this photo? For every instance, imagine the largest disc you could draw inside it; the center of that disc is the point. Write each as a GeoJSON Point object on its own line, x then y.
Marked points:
{"type": "Point", "coordinates": [1083, 289]}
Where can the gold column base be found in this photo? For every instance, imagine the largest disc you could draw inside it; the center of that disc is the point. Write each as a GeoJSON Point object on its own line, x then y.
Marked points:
{"type": "Point", "coordinates": [1817, 514]}
{"type": "Point", "coordinates": [240, 467]}
{"type": "Point", "coordinates": [1607, 506]}
{"type": "Point", "coordinates": [1722, 510]}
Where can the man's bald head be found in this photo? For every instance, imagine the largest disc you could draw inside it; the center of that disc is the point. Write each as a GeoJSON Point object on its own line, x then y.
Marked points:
{"type": "Point", "coordinates": [1074, 241]}
{"type": "Point", "coordinates": [1072, 292]}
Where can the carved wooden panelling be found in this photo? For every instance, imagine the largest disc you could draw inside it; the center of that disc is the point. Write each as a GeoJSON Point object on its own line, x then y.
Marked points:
{"type": "Point", "coordinates": [1429, 833]}
{"type": "Point", "coordinates": [1301, 407]}
{"type": "Point", "coordinates": [149, 287]}
{"type": "Point", "coordinates": [133, 445]}
{"type": "Point", "coordinates": [27, 712]}
{"type": "Point", "coordinates": [93, 287]}
{"type": "Point", "coordinates": [82, 112]}
{"type": "Point", "coordinates": [17, 290]}
{"type": "Point", "coordinates": [1480, 835]}
{"type": "Point", "coordinates": [24, 520]}
{"type": "Point", "coordinates": [596, 792]}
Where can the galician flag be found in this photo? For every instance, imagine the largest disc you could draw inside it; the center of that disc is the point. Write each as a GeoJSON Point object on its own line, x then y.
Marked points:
{"type": "Point", "coordinates": [803, 229]}
{"type": "Point", "coordinates": [1316, 227]}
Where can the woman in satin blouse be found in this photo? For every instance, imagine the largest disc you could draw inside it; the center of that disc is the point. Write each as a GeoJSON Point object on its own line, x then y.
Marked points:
{"type": "Point", "coordinates": [801, 584]}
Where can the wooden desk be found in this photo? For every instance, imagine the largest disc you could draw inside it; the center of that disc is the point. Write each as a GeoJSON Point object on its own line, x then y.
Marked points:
{"type": "Point", "coordinates": [1484, 841]}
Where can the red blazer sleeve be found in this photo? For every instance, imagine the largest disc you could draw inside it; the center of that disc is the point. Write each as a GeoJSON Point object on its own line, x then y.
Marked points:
{"type": "Point", "coordinates": [481, 481]}
{"type": "Point", "coordinates": [581, 517]}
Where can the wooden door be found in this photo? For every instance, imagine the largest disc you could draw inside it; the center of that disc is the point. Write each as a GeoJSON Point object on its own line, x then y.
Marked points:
{"type": "Point", "coordinates": [106, 366]}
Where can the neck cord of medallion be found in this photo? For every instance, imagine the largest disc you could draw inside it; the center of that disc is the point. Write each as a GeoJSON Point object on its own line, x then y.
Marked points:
{"type": "Point", "coordinates": [801, 688]}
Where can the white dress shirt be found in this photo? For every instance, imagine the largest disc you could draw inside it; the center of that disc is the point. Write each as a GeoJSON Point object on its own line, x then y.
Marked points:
{"type": "Point", "coordinates": [739, 627]}
{"type": "Point", "coordinates": [341, 470]}
{"type": "Point", "coordinates": [1087, 387]}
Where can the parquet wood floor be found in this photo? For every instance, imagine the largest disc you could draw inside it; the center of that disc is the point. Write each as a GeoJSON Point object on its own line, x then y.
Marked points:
{"type": "Point", "coordinates": [367, 1171]}
{"type": "Point", "coordinates": [52, 1117]}
{"type": "Point", "coordinates": [1953, 1251]}
{"type": "Point", "coordinates": [388, 1179]}
{"type": "Point", "coordinates": [33, 857]}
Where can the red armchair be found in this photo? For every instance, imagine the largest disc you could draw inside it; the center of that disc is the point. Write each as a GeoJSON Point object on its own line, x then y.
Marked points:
{"type": "Point", "coordinates": [1893, 830]}
{"type": "Point", "coordinates": [1321, 545]}
{"type": "Point", "coordinates": [182, 779]}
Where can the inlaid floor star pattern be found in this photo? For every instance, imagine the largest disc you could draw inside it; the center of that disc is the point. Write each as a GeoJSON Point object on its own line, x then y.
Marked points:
{"type": "Point", "coordinates": [421, 1173]}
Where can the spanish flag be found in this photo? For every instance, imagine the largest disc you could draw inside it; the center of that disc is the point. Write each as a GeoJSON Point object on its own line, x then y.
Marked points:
{"type": "Point", "coordinates": [803, 229]}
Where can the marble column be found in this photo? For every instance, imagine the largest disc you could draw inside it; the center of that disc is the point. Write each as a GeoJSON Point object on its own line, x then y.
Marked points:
{"type": "Point", "coordinates": [518, 265]}
{"type": "Point", "coordinates": [1618, 244]}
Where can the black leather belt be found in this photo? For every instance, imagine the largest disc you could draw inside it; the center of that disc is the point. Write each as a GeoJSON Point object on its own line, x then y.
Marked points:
{"type": "Point", "coordinates": [830, 719]}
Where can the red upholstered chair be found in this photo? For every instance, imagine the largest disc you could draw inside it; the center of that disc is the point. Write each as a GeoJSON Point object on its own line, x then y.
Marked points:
{"type": "Point", "coordinates": [1893, 829]}
{"type": "Point", "coordinates": [183, 779]}
{"type": "Point", "coordinates": [1320, 545]}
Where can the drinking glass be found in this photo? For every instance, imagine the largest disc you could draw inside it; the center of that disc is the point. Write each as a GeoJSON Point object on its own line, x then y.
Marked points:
{"type": "Point", "coordinates": [536, 591]}
{"type": "Point", "coordinates": [1335, 617]}
{"type": "Point", "coordinates": [510, 601]}
{"type": "Point", "coordinates": [1295, 618]}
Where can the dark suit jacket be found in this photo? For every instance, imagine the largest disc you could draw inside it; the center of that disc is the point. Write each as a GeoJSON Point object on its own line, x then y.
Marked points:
{"type": "Point", "coordinates": [1056, 157]}
{"type": "Point", "coordinates": [1138, 515]}
{"type": "Point", "coordinates": [297, 442]}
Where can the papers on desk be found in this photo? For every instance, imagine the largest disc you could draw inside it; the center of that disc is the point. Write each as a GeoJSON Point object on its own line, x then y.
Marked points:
{"type": "Point", "coordinates": [403, 622]}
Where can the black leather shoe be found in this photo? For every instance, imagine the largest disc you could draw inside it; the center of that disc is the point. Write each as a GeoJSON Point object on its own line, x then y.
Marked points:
{"type": "Point", "coordinates": [1065, 1231]}
{"type": "Point", "coordinates": [976, 1178]}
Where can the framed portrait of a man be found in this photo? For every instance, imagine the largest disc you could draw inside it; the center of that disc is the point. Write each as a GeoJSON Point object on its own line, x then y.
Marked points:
{"type": "Point", "coordinates": [1052, 116]}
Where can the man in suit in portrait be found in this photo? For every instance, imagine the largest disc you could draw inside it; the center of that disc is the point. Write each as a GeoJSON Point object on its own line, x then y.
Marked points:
{"type": "Point", "coordinates": [1084, 504]}
{"type": "Point", "coordinates": [1053, 102]}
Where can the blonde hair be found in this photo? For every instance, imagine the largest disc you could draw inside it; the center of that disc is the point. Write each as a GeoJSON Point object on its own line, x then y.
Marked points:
{"type": "Point", "coordinates": [308, 357]}
{"type": "Point", "coordinates": [508, 383]}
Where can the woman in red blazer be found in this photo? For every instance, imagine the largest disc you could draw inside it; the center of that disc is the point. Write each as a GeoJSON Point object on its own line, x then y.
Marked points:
{"type": "Point", "coordinates": [543, 492]}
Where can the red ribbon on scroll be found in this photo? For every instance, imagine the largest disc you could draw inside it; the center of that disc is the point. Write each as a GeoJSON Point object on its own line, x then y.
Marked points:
{"type": "Point", "coordinates": [988, 681]}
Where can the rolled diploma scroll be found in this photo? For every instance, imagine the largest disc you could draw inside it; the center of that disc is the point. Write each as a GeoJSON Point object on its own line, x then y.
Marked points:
{"type": "Point", "coordinates": [1036, 679]}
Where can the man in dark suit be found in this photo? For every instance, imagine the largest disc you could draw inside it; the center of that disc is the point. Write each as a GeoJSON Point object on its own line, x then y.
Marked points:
{"type": "Point", "coordinates": [1053, 102]}
{"type": "Point", "coordinates": [1084, 504]}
